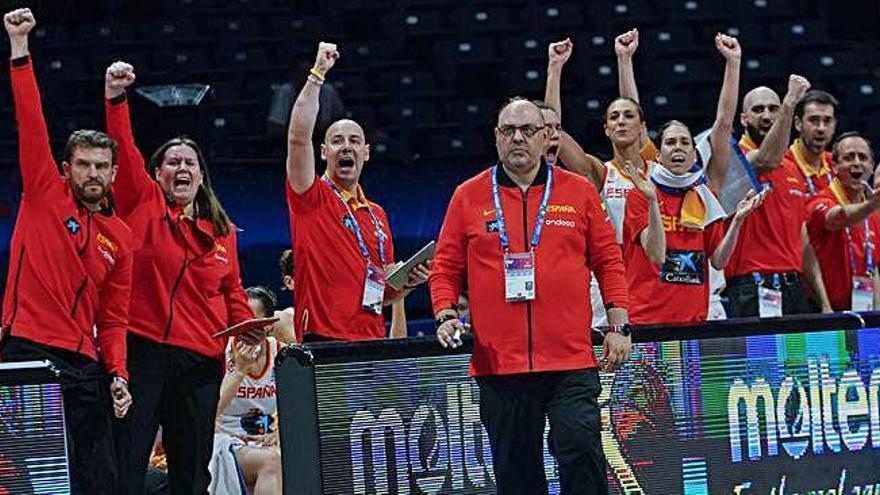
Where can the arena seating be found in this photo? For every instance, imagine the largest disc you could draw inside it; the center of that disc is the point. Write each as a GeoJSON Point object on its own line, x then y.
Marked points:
{"type": "Point", "coordinates": [424, 78]}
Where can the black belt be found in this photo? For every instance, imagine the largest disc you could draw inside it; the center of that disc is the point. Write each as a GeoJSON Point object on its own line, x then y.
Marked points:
{"type": "Point", "coordinates": [765, 279]}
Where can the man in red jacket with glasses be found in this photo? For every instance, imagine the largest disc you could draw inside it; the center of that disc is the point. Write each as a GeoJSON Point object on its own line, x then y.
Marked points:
{"type": "Point", "coordinates": [524, 237]}
{"type": "Point", "coordinates": [67, 295]}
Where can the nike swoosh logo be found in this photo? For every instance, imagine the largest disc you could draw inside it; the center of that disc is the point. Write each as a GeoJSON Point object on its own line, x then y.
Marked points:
{"type": "Point", "coordinates": [486, 213]}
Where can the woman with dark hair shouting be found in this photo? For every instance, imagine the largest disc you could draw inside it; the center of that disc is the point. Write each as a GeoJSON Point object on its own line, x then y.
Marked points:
{"type": "Point", "coordinates": [188, 288]}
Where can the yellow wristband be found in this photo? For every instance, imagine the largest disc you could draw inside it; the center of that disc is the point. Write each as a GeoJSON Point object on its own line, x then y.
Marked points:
{"type": "Point", "coordinates": [315, 72]}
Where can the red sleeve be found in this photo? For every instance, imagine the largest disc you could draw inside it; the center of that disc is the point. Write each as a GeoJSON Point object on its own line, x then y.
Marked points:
{"type": "Point", "coordinates": [450, 257]}
{"type": "Point", "coordinates": [38, 169]}
{"type": "Point", "coordinates": [712, 237]}
{"type": "Point", "coordinates": [111, 320]}
{"type": "Point", "coordinates": [310, 199]}
{"type": "Point", "coordinates": [603, 254]}
{"type": "Point", "coordinates": [237, 307]}
{"type": "Point", "coordinates": [635, 218]}
{"type": "Point", "coordinates": [132, 182]}
{"type": "Point", "coordinates": [818, 208]}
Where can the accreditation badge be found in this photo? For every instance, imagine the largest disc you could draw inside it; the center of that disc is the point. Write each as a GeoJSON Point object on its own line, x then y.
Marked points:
{"type": "Point", "coordinates": [374, 289]}
{"type": "Point", "coordinates": [519, 276]}
{"type": "Point", "coordinates": [769, 302]}
{"type": "Point", "coordinates": [862, 294]}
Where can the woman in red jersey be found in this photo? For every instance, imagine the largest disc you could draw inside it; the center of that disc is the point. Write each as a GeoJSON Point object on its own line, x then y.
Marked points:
{"type": "Point", "coordinates": [188, 288]}
{"type": "Point", "coordinates": [672, 230]}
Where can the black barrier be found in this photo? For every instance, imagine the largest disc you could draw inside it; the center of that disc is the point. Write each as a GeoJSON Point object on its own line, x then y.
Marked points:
{"type": "Point", "coordinates": [784, 406]}
{"type": "Point", "coordinates": [33, 457]}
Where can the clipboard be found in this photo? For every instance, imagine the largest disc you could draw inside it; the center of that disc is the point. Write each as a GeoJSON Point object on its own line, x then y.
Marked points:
{"type": "Point", "coordinates": [245, 326]}
{"type": "Point", "coordinates": [397, 277]}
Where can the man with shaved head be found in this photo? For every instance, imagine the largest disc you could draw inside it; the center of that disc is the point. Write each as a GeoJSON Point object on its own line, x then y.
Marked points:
{"type": "Point", "coordinates": [774, 256]}
{"type": "Point", "coordinates": [521, 238]}
{"type": "Point", "coordinates": [759, 109]}
{"type": "Point", "coordinates": [341, 240]}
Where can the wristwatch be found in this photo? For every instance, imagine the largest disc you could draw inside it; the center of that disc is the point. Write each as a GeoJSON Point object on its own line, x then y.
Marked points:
{"type": "Point", "coordinates": [624, 329]}
{"type": "Point", "coordinates": [443, 319]}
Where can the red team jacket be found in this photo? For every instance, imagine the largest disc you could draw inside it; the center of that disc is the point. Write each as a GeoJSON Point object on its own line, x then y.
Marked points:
{"type": "Point", "coordinates": [552, 332]}
{"type": "Point", "coordinates": [70, 269]}
{"type": "Point", "coordinates": [188, 282]}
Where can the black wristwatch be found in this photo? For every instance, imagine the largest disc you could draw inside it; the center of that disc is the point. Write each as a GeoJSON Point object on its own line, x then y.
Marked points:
{"type": "Point", "coordinates": [624, 329]}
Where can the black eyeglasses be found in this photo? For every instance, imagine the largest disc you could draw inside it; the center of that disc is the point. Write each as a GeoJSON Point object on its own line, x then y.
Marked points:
{"type": "Point", "coordinates": [526, 130]}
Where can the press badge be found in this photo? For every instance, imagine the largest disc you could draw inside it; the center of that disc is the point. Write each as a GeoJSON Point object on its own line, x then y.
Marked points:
{"type": "Point", "coordinates": [769, 302]}
{"type": "Point", "coordinates": [862, 294]}
{"type": "Point", "coordinates": [374, 289]}
{"type": "Point", "coordinates": [519, 277]}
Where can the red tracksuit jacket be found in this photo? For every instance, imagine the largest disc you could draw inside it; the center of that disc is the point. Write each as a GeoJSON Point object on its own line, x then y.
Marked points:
{"type": "Point", "coordinates": [70, 269]}
{"type": "Point", "coordinates": [188, 282]}
{"type": "Point", "coordinates": [552, 332]}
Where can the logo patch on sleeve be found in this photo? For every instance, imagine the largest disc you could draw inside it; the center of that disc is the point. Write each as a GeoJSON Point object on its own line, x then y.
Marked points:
{"type": "Point", "coordinates": [72, 225]}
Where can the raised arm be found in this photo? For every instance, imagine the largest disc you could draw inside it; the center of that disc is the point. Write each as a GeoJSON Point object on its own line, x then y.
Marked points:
{"type": "Point", "coordinates": [300, 152]}
{"type": "Point", "coordinates": [653, 237]}
{"type": "Point", "coordinates": [558, 54]}
{"type": "Point", "coordinates": [132, 182]}
{"type": "Point", "coordinates": [725, 249]}
{"type": "Point", "coordinates": [571, 154]}
{"type": "Point", "coordinates": [625, 47]}
{"type": "Point", "coordinates": [769, 155]}
{"type": "Point", "coordinates": [716, 169]}
{"type": "Point", "coordinates": [38, 169]}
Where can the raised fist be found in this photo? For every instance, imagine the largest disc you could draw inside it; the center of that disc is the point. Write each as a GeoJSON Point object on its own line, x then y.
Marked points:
{"type": "Point", "coordinates": [797, 87]}
{"type": "Point", "coordinates": [626, 44]}
{"type": "Point", "coordinates": [559, 52]}
{"type": "Point", "coordinates": [728, 47]}
{"type": "Point", "coordinates": [119, 76]}
{"type": "Point", "coordinates": [19, 22]}
{"type": "Point", "coordinates": [326, 59]}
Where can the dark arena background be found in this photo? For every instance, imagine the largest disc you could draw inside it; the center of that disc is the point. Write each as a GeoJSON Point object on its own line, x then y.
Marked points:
{"type": "Point", "coordinates": [742, 408]}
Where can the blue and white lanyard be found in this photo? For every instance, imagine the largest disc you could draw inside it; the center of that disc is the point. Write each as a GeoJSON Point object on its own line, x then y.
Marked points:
{"type": "Point", "coordinates": [869, 258]}
{"type": "Point", "coordinates": [380, 234]}
{"type": "Point", "coordinates": [499, 213]}
{"type": "Point", "coordinates": [812, 187]}
{"type": "Point", "coordinates": [759, 280]}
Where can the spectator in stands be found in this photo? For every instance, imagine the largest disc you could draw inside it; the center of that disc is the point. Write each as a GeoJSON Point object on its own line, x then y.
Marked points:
{"type": "Point", "coordinates": [532, 356]}
{"type": "Point", "coordinates": [673, 227]}
{"type": "Point", "coordinates": [342, 241]}
{"type": "Point", "coordinates": [70, 273]}
{"type": "Point", "coordinates": [330, 110]}
{"type": "Point", "coordinates": [764, 272]}
{"type": "Point", "coordinates": [844, 227]}
{"type": "Point", "coordinates": [186, 265]}
{"type": "Point", "coordinates": [246, 440]}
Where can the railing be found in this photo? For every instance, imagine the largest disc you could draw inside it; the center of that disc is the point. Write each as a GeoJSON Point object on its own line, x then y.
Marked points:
{"type": "Point", "coordinates": [788, 404]}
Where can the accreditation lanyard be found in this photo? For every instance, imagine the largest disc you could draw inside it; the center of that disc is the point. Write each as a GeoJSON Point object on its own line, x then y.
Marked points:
{"type": "Point", "coordinates": [380, 234]}
{"type": "Point", "coordinates": [869, 259]}
{"type": "Point", "coordinates": [519, 268]}
{"type": "Point", "coordinates": [812, 186]}
{"type": "Point", "coordinates": [499, 212]}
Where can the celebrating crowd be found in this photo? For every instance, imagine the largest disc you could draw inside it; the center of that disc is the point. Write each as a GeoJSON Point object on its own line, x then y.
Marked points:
{"type": "Point", "coordinates": [123, 268]}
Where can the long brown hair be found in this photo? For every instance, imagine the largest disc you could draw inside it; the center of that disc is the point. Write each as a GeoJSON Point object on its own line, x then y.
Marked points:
{"type": "Point", "coordinates": [205, 205]}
